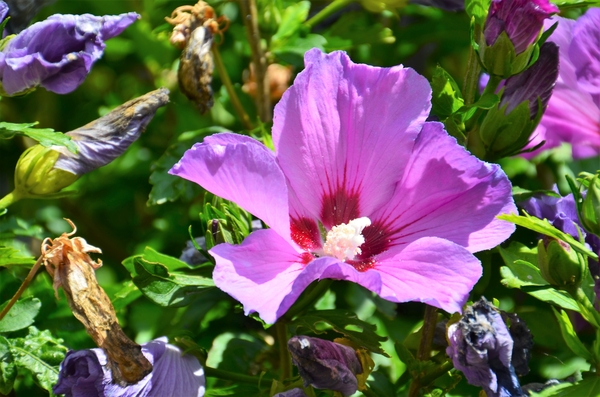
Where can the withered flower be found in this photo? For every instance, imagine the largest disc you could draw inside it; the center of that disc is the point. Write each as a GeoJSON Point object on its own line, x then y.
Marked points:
{"type": "Point", "coordinates": [193, 31]}
{"type": "Point", "coordinates": [68, 262]}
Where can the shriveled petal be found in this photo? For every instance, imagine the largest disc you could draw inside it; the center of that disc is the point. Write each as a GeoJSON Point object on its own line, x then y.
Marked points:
{"type": "Point", "coordinates": [240, 169]}
{"type": "Point", "coordinates": [259, 273]}
{"type": "Point", "coordinates": [430, 270]}
{"type": "Point", "coordinates": [343, 133]}
{"type": "Point", "coordinates": [446, 192]}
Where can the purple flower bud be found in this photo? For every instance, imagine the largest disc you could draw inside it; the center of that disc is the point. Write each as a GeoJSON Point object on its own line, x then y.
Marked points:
{"type": "Point", "coordinates": [325, 365]}
{"type": "Point", "coordinates": [291, 393]}
{"type": "Point", "coordinates": [84, 373]}
{"type": "Point", "coordinates": [537, 81]}
{"type": "Point", "coordinates": [481, 347]}
{"type": "Point", "coordinates": [58, 53]}
{"type": "Point", "coordinates": [522, 20]}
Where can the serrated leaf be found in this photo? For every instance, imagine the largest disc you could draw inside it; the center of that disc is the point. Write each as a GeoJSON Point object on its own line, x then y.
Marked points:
{"type": "Point", "coordinates": [343, 322]}
{"type": "Point", "coordinates": [41, 354]}
{"type": "Point", "coordinates": [45, 136]}
{"type": "Point", "coordinates": [163, 280]}
{"type": "Point", "coordinates": [12, 257]}
{"type": "Point", "coordinates": [570, 336]}
{"type": "Point", "coordinates": [8, 370]}
{"type": "Point", "coordinates": [21, 315]}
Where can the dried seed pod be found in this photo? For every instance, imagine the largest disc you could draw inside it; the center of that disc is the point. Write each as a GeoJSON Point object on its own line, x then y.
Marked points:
{"type": "Point", "coordinates": [68, 262]}
{"type": "Point", "coordinates": [196, 68]}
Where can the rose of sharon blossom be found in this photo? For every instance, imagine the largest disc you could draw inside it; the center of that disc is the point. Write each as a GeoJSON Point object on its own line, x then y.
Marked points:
{"type": "Point", "coordinates": [481, 347]}
{"type": "Point", "coordinates": [522, 20]}
{"type": "Point", "coordinates": [403, 206]}
{"type": "Point", "coordinates": [59, 52]}
{"type": "Point", "coordinates": [573, 113]}
{"type": "Point", "coordinates": [84, 373]}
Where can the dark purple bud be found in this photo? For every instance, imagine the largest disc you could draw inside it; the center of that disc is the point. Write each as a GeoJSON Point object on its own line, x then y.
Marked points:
{"type": "Point", "coordinates": [84, 373]}
{"type": "Point", "coordinates": [481, 347]}
{"type": "Point", "coordinates": [22, 12]}
{"type": "Point", "coordinates": [106, 138]}
{"type": "Point", "coordinates": [292, 393]}
{"type": "Point", "coordinates": [522, 20]}
{"type": "Point", "coordinates": [533, 83]}
{"type": "Point", "coordinates": [58, 53]}
{"type": "Point", "coordinates": [325, 365]}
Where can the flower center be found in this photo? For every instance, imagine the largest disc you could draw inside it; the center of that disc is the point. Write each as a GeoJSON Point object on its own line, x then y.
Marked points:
{"type": "Point", "coordinates": [343, 241]}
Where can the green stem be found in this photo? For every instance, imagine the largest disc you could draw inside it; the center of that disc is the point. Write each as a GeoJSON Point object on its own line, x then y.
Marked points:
{"type": "Point", "coordinates": [263, 93]}
{"type": "Point", "coordinates": [9, 199]}
{"type": "Point", "coordinates": [22, 288]}
{"type": "Point", "coordinates": [235, 101]}
{"type": "Point", "coordinates": [307, 299]}
{"type": "Point", "coordinates": [327, 11]}
{"type": "Point", "coordinates": [588, 311]}
{"type": "Point", "coordinates": [427, 333]}
{"type": "Point", "coordinates": [285, 361]}
{"type": "Point", "coordinates": [226, 375]}
{"type": "Point", "coordinates": [472, 75]}
{"type": "Point", "coordinates": [430, 377]}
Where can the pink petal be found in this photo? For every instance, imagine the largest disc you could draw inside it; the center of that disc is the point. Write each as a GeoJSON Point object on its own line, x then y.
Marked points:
{"type": "Point", "coordinates": [240, 169]}
{"type": "Point", "coordinates": [430, 270]}
{"type": "Point", "coordinates": [343, 133]}
{"type": "Point", "coordinates": [448, 193]}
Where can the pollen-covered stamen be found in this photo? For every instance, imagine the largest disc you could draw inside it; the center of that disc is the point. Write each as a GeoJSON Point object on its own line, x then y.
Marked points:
{"type": "Point", "coordinates": [344, 240]}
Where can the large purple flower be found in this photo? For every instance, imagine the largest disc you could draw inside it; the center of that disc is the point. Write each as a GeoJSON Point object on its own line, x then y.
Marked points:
{"type": "Point", "coordinates": [84, 373]}
{"type": "Point", "coordinates": [58, 53]}
{"type": "Point", "coordinates": [573, 113]}
{"type": "Point", "coordinates": [402, 206]}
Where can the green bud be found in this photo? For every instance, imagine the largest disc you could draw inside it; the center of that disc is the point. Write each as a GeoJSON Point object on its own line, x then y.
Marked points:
{"type": "Point", "coordinates": [500, 59]}
{"type": "Point", "coordinates": [560, 265]}
{"type": "Point", "coordinates": [590, 209]}
{"type": "Point", "coordinates": [35, 175]}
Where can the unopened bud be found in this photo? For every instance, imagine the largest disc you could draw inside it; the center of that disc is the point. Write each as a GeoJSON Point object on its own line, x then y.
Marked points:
{"type": "Point", "coordinates": [560, 265]}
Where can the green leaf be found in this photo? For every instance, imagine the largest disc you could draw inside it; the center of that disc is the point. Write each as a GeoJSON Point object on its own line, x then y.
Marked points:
{"type": "Point", "coordinates": [355, 28]}
{"type": "Point", "coordinates": [446, 97]}
{"type": "Point", "coordinates": [569, 4]}
{"type": "Point", "coordinates": [520, 194]}
{"type": "Point", "coordinates": [291, 22]}
{"type": "Point", "coordinates": [557, 390]}
{"type": "Point", "coordinates": [8, 370]}
{"type": "Point", "coordinates": [521, 272]}
{"type": "Point", "coordinates": [45, 136]}
{"type": "Point", "coordinates": [163, 280]}
{"type": "Point", "coordinates": [477, 9]}
{"type": "Point", "coordinates": [21, 315]}
{"type": "Point", "coordinates": [12, 257]}
{"type": "Point", "coordinates": [345, 323]}
{"type": "Point", "coordinates": [294, 49]}
{"type": "Point", "coordinates": [544, 227]}
{"type": "Point", "coordinates": [570, 336]}
{"type": "Point", "coordinates": [41, 354]}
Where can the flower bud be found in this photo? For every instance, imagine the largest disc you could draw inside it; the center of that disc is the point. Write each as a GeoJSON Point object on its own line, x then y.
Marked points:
{"type": "Point", "coordinates": [510, 32]}
{"type": "Point", "coordinates": [507, 128]}
{"type": "Point", "coordinates": [481, 346]}
{"type": "Point", "coordinates": [326, 365]}
{"type": "Point", "coordinates": [590, 211]}
{"type": "Point", "coordinates": [560, 265]}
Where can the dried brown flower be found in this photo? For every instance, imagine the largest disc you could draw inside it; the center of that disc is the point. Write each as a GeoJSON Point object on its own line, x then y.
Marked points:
{"type": "Point", "coordinates": [68, 262]}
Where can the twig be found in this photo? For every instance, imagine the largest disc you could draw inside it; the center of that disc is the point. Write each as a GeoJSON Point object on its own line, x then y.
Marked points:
{"type": "Point", "coordinates": [22, 288]}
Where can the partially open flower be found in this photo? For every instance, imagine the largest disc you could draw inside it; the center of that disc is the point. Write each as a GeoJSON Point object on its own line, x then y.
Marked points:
{"type": "Point", "coordinates": [85, 373]}
{"type": "Point", "coordinates": [326, 365]}
{"type": "Point", "coordinates": [481, 346]}
{"type": "Point", "coordinates": [58, 53]}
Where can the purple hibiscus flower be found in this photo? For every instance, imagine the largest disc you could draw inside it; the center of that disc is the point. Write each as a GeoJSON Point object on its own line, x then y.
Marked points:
{"type": "Point", "coordinates": [573, 113]}
{"type": "Point", "coordinates": [401, 204]}
{"type": "Point", "coordinates": [58, 53]}
{"type": "Point", "coordinates": [522, 20]}
{"type": "Point", "coordinates": [84, 373]}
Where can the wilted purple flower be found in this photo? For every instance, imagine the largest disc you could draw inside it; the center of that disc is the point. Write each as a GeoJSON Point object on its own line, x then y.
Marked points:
{"type": "Point", "coordinates": [573, 114]}
{"type": "Point", "coordinates": [481, 347]}
{"type": "Point", "coordinates": [291, 393]}
{"type": "Point", "coordinates": [403, 205]}
{"type": "Point", "coordinates": [535, 82]}
{"type": "Point", "coordinates": [522, 20]}
{"type": "Point", "coordinates": [58, 53]}
{"type": "Point", "coordinates": [84, 373]}
{"type": "Point", "coordinates": [326, 365]}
